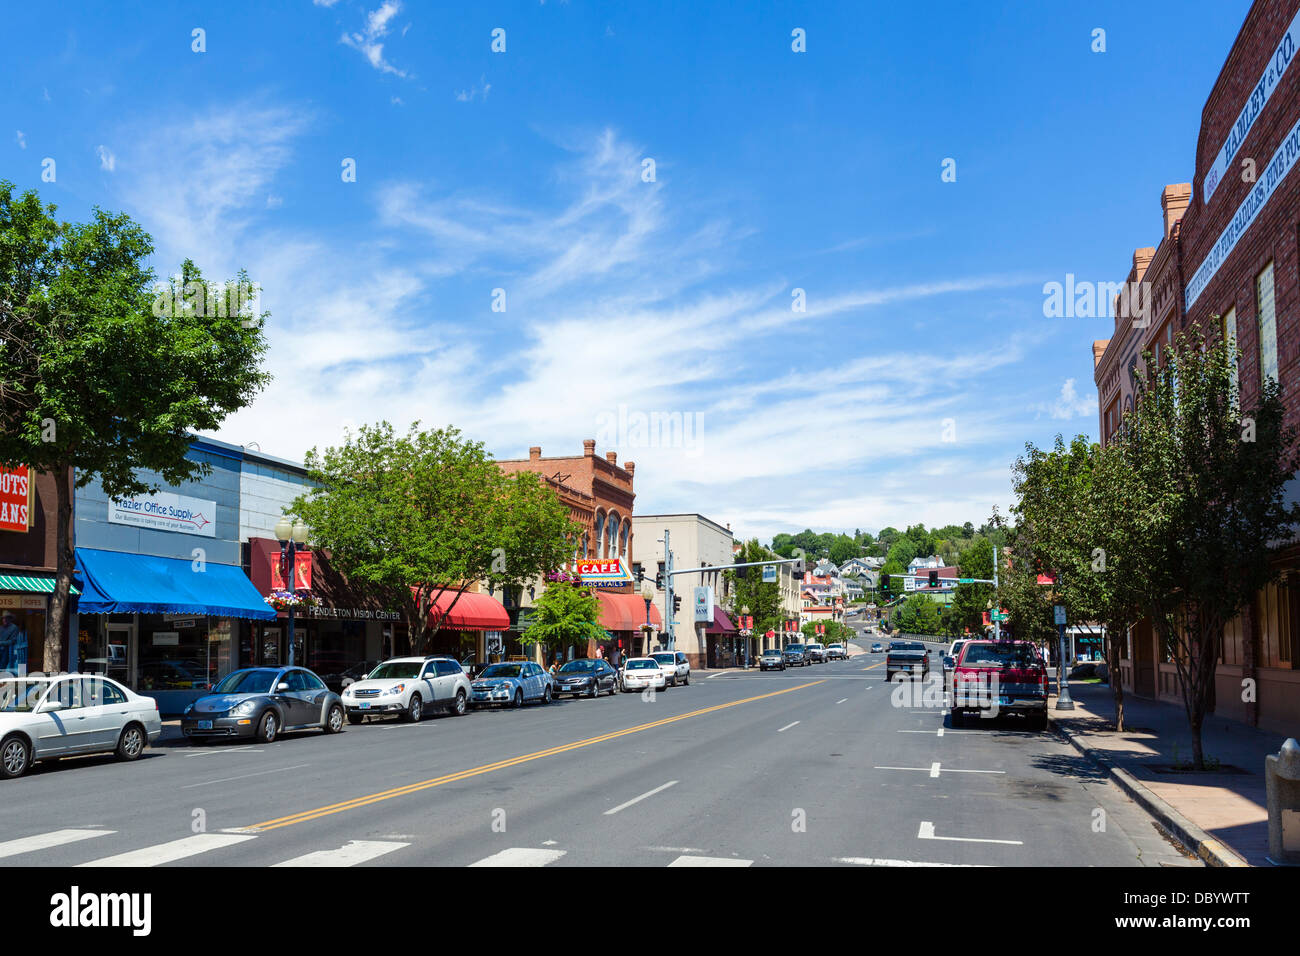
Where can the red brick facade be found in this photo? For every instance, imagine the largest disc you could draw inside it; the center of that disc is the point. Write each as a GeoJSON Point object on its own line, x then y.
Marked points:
{"type": "Point", "coordinates": [1263, 645]}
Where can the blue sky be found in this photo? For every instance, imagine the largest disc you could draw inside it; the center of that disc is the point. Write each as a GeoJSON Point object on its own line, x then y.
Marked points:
{"type": "Point", "coordinates": [922, 362]}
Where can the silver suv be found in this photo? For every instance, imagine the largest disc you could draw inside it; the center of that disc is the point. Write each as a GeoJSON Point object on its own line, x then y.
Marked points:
{"type": "Point", "coordinates": [676, 668]}
{"type": "Point", "coordinates": [407, 687]}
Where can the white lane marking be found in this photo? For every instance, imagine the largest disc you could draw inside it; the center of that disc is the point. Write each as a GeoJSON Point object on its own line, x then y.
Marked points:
{"type": "Point", "coordinates": [940, 733]}
{"type": "Point", "coordinates": [171, 852]}
{"type": "Point", "coordinates": [933, 770]}
{"type": "Point", "coordinates": [649, 793]}
{"type": "Point", "coordinates": [244, 776]}
{"type": "Point", "coordinates": [841, 700]}
{"type": "Point", "coordinates": [44, 841]}
{"type": "Point", "coordinates": [926, 832]}
{"type": "Point", "coordinates": [521, 856]}
{"type": "Point", "coordinates": [350, 854]}
{"type": "Point", "coordinates": [672, 849]}
{"type": "Point", "coordinates": [224, 750]}
{"type": "Point", "coordinates": [877, 861]}
{"type": "Point", "coordinates": [710, 861]}
{"type": "Point", "coordinates": [788, 726]}
{"type": "Point", "coordinates": [549, 842]}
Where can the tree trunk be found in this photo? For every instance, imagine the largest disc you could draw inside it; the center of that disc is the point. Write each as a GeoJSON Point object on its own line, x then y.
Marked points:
{"type": "Point", "coordinates": [66, 564]}
{"type": "Point", "coordinates": [1116, 675]}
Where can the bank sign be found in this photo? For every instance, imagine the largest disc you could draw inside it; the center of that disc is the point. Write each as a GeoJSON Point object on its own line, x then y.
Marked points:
{"type": "Point", "coordinates": [164, 511]}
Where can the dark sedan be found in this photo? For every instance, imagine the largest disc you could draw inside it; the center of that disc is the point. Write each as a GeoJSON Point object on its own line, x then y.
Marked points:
{"type": "Point", "coordinates": [586, 677]}
{"type": "Point", "coordinates": [261, 702]}
{"type": "Point", "coordinates": [797, 654]}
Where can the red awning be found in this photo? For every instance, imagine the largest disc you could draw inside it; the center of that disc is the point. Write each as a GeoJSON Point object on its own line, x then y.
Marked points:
{"type": "Point", "coordinates": [470, 612]}
{"type": "Point", "coordinates": [625, 612]}
{"type": "Point", "coordinates": [721, 623]}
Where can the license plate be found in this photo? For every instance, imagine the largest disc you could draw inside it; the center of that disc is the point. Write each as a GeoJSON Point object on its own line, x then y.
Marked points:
{"type": "Point", "coordinates": [365, 705]}
{"type": "Point", "coordinates": [205, 725]}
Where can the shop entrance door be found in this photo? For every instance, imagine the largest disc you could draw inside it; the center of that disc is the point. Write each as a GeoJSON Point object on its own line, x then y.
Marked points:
{"type": "Point", "coordinates": [120, 653]}
{"type": "Point", "coordinates": [270, 650]}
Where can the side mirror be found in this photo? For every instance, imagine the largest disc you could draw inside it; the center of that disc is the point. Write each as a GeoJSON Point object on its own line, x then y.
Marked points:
{"type": "Point", "coordinates": [51, 705]}
{"type": "Point", "coordinates": [282, 686]}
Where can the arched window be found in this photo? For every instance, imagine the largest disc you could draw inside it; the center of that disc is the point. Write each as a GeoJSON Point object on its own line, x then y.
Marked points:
{"type": "Point", "coordinates": [623, 551]}
{"type": "Point", "coordinates": [600, 534]}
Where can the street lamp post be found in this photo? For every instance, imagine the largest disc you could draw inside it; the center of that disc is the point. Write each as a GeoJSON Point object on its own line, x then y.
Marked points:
{"type": "Point", "coordinates": [648, 594]}
{"type": "Point", "coordinates": [744, 631]}
{"type": "Point", "coordinates": [290, 536]}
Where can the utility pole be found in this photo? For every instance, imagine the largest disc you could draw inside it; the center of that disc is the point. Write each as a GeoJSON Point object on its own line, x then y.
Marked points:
{"type": "Point", "coordinates": [668, 594]}
{"type": "Point", "coordinates": [997, 609]}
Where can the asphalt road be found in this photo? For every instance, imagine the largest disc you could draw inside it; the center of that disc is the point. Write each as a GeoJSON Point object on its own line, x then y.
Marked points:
{"type": "Point", "coordinates": [821, 765]}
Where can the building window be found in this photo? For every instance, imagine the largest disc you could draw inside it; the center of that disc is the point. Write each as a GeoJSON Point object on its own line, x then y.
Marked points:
{"type": "Point", "coordinates": [1267, 324]}
{"type": "Point", "coordinates": [1229, 330]}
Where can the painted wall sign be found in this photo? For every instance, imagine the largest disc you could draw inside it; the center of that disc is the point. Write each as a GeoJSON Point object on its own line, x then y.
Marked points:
{"type": "Point", "coordinates": [15, 499]}
{"type": "Point", "coordinates": [1282, 56]}
{"type": "Point", "coordinates": [1270, 178]}
{"type": "Point", "coordinates": [164, 511]}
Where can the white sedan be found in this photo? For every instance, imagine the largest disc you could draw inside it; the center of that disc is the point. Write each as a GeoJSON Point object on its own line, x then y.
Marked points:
{"type": "Point", "coordinates": [44, 718]}
{"type": "Point", "coordinates": [641, 672]}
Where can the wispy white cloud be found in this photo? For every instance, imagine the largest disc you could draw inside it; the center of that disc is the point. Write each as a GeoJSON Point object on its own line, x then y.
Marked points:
{"type": "Point", "coordinates": [1069, 403]}
{"type": "Point", "coordinates": [368, 40]}
{"type": "Point", "coordinates": [107, 161]}
{"type": "Point", "coordinates": [480, 91]}
{"type": "Point", "coordinates": [21, 140]}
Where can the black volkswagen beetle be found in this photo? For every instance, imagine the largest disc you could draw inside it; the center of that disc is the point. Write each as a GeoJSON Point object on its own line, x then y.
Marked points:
{"type": "Point", "coordinates": [261, 702]}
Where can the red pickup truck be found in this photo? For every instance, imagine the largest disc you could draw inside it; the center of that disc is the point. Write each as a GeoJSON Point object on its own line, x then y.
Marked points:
{"type": "Point", "coordinates": [1004, 677]}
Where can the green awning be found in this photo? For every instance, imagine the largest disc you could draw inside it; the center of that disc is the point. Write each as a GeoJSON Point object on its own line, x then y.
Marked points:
{"type": "Point", "coordinates": [29, 584]}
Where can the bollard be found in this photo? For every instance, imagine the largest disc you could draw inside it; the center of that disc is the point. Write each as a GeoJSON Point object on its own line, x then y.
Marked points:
{"type": "Point", "coordinates": [1282, 784]}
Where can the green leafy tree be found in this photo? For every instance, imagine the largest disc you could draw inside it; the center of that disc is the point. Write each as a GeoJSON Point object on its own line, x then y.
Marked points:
{"type": "Point", "coordinates": [842, 549]}
{"type": "Point", "coordinates": [970, 601]}
{"type": "Point", "coordinates": [410, 515]}
{"type": "Point", "coordinates": [1203, 477]}
{"type": "Point", "coordinates": [748, 589]}
{"type": "Point", "coordinates": [901, 552]}
{"type": "Point", "coordinates": [565, 614]}
{"type": "Point", "coordinates": [95, 383]}
{"type": "Point", "coordinates": [919, 614]}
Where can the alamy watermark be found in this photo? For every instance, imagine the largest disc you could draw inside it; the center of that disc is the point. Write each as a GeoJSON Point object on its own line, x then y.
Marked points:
{"type": "Point", "coordinates": [1081, 299]}
{"type": "Point", "coordinates": [652, 429]}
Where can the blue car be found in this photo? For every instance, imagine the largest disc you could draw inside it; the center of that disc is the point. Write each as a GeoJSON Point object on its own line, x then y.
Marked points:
{"type": "Point", "coordinates": [511, 684]}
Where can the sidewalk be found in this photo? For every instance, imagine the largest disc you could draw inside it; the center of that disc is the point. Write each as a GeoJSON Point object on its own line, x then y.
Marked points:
{"type": "Point", "coordinates": [1220, 816]}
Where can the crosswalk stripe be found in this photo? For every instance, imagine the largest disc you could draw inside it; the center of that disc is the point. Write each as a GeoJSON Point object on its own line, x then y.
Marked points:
{"type": "Point", "coordinates": [521, 856]}
{"type": "Point", "coordinates": [45, 841]}
{"type": "Point", "coordinates": [877, 861]}
{"type": "Point", "coordinates": [170, 852]}
{"type": "Point", "coordinates": [710, 861]}
{"type": "Point", "coordinates": [350, 854]}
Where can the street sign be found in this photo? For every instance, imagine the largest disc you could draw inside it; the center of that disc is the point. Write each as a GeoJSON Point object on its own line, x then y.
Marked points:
{"type": "Point", "coordinates": [769, 574]}
{"type": "Point", "coordinates": [965, 580]}
{"type": "Point", "coordinates": [1000, 616]}
{"type": "Point", "coordinates": [1060, 613]}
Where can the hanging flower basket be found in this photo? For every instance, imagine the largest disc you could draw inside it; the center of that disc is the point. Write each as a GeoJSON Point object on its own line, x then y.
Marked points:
{"type": "Point", "coordinates": [563, 577]}
{"type": "Point", "coordinates": [284, 600]}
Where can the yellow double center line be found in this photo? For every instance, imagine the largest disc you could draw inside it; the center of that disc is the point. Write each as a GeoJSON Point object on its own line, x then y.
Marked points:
{"type": "Point", "coordinates": [353, 804]}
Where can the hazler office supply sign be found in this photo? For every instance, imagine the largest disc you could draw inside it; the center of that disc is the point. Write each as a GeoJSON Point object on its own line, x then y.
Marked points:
{"type": "Point", "coordinates": [15, 499]}
{"type": "Point", "coordinates": [164, 511]}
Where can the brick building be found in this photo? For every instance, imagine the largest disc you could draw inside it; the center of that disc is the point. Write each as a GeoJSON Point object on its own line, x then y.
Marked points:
{"type": "Point", "coordinates": [1227, 262]}
{"type": "Point", "coordinates": [599, 495]}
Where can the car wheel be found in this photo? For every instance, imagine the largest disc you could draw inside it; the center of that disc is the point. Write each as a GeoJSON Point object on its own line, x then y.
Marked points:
{"type": "Point", "coordinates": [958, 718]}
{"type": "Point", "coordinates": [459, 706]}
{"type": "Point", "coordinates": [546, 696]}
{"type": "Point", "coordinates": [686, 680]}
{"type": "Point", "coordinates": [414, 710]}
{"type": "Point", "coordinates": [595, 689]}
{"type": "Point", "coordinates": [131, 744]}
{"type": "Point", "coordinates": [519, 699]}
{"type": "Point", "coordinates": [334, 719]}
{"type": "Point", "coordinates": [268, 727]}
{"type": "Point", "coordinates": [15, 757]}
{"type": "Point", "coordinates": [356, 718]}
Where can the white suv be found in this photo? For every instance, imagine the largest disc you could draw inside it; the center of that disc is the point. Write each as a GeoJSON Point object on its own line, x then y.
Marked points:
{"type": "Point", "coordinates": [676, 668]}
{"type": "Point", "coordinates": [408, 686]}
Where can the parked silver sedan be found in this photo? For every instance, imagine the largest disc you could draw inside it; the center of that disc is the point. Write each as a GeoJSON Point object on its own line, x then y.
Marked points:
{"type": "Point", "coordinates": [44, 718]}
{"type": "Point", "coordinates": [511, 684]}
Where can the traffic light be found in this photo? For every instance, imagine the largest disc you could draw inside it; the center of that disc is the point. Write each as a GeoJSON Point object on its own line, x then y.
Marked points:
{"type": "Point", "coordinates": [934, 579]}
{"type": "Point", "coordinates": [677, 603]}
{"type": "Point", "coordinates": [742, 573]}
{"type": "Point", "coordinates": [659, 580]}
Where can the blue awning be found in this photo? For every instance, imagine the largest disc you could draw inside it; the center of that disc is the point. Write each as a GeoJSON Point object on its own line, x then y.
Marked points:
{"type": "Point", "coordinates": [120, 583]}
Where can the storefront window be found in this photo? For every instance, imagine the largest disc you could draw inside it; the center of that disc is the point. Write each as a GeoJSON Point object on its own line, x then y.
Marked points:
{"type": "Point", "coordinates": [22, 634]}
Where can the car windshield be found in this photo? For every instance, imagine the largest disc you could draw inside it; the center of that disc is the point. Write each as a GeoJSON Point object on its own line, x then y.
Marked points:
{"type": "Point", "coordinates": [20, 696]}
{"type": "Point", "coordinates": [578, 667]}
{"type": "Point", "coordinates": [642, 665]}
{"type": "Point", "coordinates": [907, 646]}
{"type": "Point", "coordinates": [396, 670]}
{"type": "Point", "coordinates": [502, 670]}
{"type": "Point", "coordinates": [771, 652]}
{"type": "Point", "coordinates": [256, 681]}
{"type": "Point", "coordinates": [666, 658]}
{"type": "Point", "coordinates": [794, 647]}
{"type": "Point", "coordinates": [1000, 655]}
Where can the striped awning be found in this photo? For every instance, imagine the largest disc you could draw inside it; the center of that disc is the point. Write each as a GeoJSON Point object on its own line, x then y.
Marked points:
{"type": "Point", "coordinates": [29, 584]}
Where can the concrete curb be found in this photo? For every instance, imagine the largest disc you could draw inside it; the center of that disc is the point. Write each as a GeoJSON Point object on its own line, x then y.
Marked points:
{"type": "Point", "coordinates": [1197, 842]}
